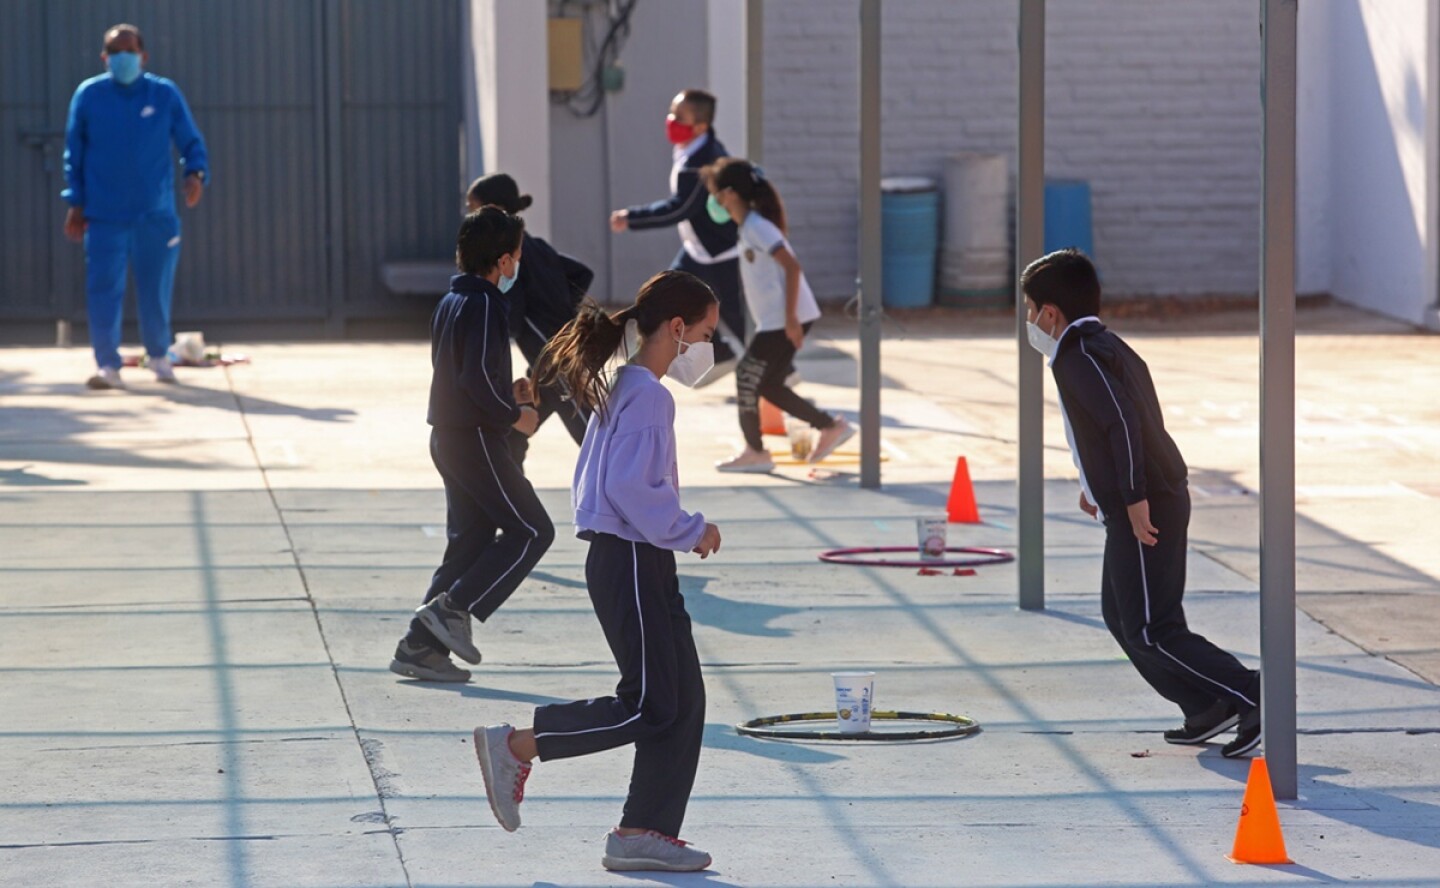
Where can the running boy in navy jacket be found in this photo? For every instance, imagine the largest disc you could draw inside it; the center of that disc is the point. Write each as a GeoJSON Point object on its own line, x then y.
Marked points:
{"type": "Point", "coordinates": [546, 296]}
{"type": "Point", "coordinates": [709, 249]}
{"type": "Point", "coordinates": [1132, 477]}
{"type": "Point", "coordinates": [496, 527]}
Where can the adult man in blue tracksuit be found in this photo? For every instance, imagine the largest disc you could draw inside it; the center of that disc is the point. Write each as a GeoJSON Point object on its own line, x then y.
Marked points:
{"type": "Point", "coordinates": [121, 189]}
{"type": "Point", "coordinates": [709, 249]}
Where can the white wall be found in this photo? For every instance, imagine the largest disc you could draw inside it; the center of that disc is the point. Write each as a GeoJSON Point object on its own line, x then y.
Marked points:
{"type": "Point", "coordinates": [1379, 124]}
{"type": "Point", "coordinates": [508, 48]}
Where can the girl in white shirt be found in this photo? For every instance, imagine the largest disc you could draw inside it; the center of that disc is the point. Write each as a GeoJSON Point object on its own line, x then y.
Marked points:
{"type": "Point", "coordinates": [781, 304]}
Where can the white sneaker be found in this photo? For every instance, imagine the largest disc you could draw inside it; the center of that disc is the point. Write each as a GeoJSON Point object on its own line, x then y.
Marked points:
{"type": "Point", "coordinates": [105, 378]}
{"type": "Point", "coordinates": [652, 851]}
{"type": "Point", "coordinates": [830, 439]}
{"type": "Point", "coordinates": [164, 371]}
{"type": "Point", "coordinates": [504, 774]}
{"type": "Point", "coordinates": [756, 461]}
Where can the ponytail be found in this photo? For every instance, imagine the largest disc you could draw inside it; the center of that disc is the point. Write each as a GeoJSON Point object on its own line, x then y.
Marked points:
{"type": "Point", "coordinates": [575, 358]}
{"type": "Point", "coordinates": [747, 180]}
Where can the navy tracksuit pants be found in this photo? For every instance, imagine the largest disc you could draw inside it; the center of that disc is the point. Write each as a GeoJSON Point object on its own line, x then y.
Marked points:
{"type": "Point", "coordinates": [1141, 601]}
{"type": "Point", "coordinates": [724, 279]}
{"type": "Point", "coordinates": [496, 527]}
{"type": "Point", "coordinates": [659, 704]}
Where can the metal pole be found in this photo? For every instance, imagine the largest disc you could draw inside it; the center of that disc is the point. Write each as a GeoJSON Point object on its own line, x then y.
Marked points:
{"type": "Point", "coordinates": [1029, 244]}
{"type": "Point", "coordinates": [754, 81]}
{"type": "Point", "coordinates": [870, 252]}
{"type": "Point", "coordinates": [1277, 394]}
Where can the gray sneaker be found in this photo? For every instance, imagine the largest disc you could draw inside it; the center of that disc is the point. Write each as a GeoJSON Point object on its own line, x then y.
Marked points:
{"type": "Point", "coordinates": [451, 626]}
{"type": "Point", "coordinates": [504, 774]}
{"type": "Point", "coordinates": [652, 851]}
{"type": "Point", "coordinates": [425, 663]}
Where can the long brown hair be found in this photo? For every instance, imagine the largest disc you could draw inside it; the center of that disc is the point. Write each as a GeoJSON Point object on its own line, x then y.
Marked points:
{"type": "Point", "coordinates": [576, 356]}
{"type": "Point", "coordinates": [748, 181]}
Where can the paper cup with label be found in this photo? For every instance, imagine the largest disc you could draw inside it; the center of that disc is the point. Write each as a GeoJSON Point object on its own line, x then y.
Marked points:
{"type": "Point", "coordinates": [854, 698]}
{"type": "Point", "coordinates": [930, 537]}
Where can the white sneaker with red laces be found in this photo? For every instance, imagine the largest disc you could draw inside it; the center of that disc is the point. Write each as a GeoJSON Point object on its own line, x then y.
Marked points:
{"type": "Point", "coordinates": [504, 774]}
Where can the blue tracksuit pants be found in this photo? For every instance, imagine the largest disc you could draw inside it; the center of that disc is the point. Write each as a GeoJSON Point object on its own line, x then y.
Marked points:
{"type": "Point", "coordinates": [151, 246]}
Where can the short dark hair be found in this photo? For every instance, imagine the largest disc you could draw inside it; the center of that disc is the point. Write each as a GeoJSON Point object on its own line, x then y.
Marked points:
{"type": "Point", "coordinates": [701, 102]}
{"type": "Point", "coordinates": [485, 235]}
{"type": "Point", "coordinates": [117, 30]}
{"type": "Point", "coordinates": [1065, 279]}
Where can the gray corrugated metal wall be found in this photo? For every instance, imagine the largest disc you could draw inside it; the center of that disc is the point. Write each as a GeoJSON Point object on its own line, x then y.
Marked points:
{"type": "Point", "coordinates": [329, 123]}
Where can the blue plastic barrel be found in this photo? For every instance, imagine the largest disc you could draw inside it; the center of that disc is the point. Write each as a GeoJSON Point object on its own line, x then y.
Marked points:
{"type": "Point", "coordinates": [910, 225]}
{"type": "Point", "coordinates": [1067, 216]}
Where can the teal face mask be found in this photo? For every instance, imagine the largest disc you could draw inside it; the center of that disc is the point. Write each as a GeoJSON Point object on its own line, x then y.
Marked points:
{"type": "Point", "coordinates": [718, 214]}
{"type": "Point", "coordinates": [507, 282]}
{"type": "Point", "coordinates": [124, 67]}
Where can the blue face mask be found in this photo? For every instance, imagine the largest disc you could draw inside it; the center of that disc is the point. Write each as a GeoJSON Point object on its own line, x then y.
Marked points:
{"type": "Point", "coordinates": [507, 282]}
{"type": "Point", "coordinates": [718, 214]}
{"type": "Point", "coordinates": [124, 67]}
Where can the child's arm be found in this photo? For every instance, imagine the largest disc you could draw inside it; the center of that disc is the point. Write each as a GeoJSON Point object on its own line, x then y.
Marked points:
{"type": "Point", "coordinates": [794, 330]}
{"type": "Point", "coordinates": [688, 202]}
{"type": "Point", "coordinates": [636, 484]}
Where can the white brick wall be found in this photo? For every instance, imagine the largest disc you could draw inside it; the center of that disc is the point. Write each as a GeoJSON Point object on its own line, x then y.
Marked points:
{"type": "Point", "coordinates": [1156, 104]}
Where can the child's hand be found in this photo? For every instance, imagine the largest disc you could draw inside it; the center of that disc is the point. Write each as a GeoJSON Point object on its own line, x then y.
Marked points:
{"type": "Point", "coordinates": [795, 332]}
{"type": "Point", "coordinates": [528, 422]}
{"type": "Point", "coordinates": [709, 541]}
{"type": "Point", "coordinates": [1088, 507]}
{"type": "Point", "coordinates": [524, 391]}
{"type": "Point", "coordinates": [619, 220]}
{"type": "Point", "coordinates": [1140, 522]}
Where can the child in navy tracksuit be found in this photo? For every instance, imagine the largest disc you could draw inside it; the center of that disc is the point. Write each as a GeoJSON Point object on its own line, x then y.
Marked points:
{"type": "Point", "coordinates": [496, 527]}
{"type": "Point", "coordinates": [1132, 477]}
{"type": "Point", "coordinates": [708, 248]}
{"type": "Point", "coordinates": [627, 505]}
{"type": "Point", "coordinates": [781, 304]}
{"type": "Point", "coordinates": [545, 297]}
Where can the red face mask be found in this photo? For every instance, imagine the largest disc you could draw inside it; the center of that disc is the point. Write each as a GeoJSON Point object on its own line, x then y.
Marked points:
{"type": "Point", "coordinates": [678, 133]}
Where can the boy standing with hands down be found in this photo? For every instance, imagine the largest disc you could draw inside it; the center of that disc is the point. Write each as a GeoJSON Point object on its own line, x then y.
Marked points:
{"type": "Point", "coordinates": [1132, 478]}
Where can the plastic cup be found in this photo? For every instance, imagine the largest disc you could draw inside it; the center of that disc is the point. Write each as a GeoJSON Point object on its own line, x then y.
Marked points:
{"type": "Point", "coordinates": [802, 441]}
{"type": "Point", "coordinates": [854, 696]}
{"type": "Point", "coordinates": [930, 537]}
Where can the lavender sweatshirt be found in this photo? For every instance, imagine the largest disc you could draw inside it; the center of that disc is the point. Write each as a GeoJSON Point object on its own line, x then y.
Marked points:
{"type": "Point", "coordinates": [626, 482]}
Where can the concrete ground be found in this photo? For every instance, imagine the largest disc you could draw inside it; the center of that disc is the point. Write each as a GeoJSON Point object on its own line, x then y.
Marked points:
{"type": "Point", "coordinates": [201, 586]}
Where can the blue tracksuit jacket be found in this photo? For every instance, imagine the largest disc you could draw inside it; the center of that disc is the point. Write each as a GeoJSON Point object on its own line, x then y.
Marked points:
{"type": "Point", "coordinates": [117, 147]}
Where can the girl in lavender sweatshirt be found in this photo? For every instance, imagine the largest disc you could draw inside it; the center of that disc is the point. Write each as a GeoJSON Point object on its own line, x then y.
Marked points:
{"type": "Point", "coordinates": [627, 506]}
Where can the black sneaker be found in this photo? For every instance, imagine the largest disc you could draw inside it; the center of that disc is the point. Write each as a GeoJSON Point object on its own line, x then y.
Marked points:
{"type": "Point", "coordinates": [1247, 736]}
{"type": "Point", "coordinates": [425, 663]}
{"type": "Point", "coordinates": [1218, 719]}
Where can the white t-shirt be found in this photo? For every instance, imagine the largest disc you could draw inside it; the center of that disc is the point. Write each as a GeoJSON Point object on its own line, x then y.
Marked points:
{"type": "Point", "coordinates": [764, 278]}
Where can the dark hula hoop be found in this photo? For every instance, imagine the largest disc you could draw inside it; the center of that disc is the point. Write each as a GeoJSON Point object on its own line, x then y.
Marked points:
{"type": "Point", "coordinates": [953, 726]}
{"type": "Point", "coordinates": [984, 557]}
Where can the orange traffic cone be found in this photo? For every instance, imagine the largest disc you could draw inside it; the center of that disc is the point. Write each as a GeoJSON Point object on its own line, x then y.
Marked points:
{"type": "Point", "coordinates": [961, 508]}
{"type": "Point", "coordinates": [1257, 837]}
{"type": "Point", "coordinates": [772, 421]}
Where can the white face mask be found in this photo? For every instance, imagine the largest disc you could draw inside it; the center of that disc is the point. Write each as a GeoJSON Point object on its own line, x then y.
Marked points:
{"type": "Point", "coordinates": [693, 362]}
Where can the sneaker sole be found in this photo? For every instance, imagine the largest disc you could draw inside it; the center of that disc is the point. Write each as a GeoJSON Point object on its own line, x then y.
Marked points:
{"type": "Point", "coordinates": [435, 625]}
{"type": "Point", "coordinates": [645, 863]}
{"type": "Point", "coordinates": [482, 753]}
{"type": "Point", "coordinates": [819, 455]}
{"type": "Point", "coordinates": [1220, 728]}
{"type": "Point", "coordinates": [747, 470]}
{"type": "Point", "coordinates": [400, 667]}
{"type": "Point", "coordinates": [1241, 750]}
